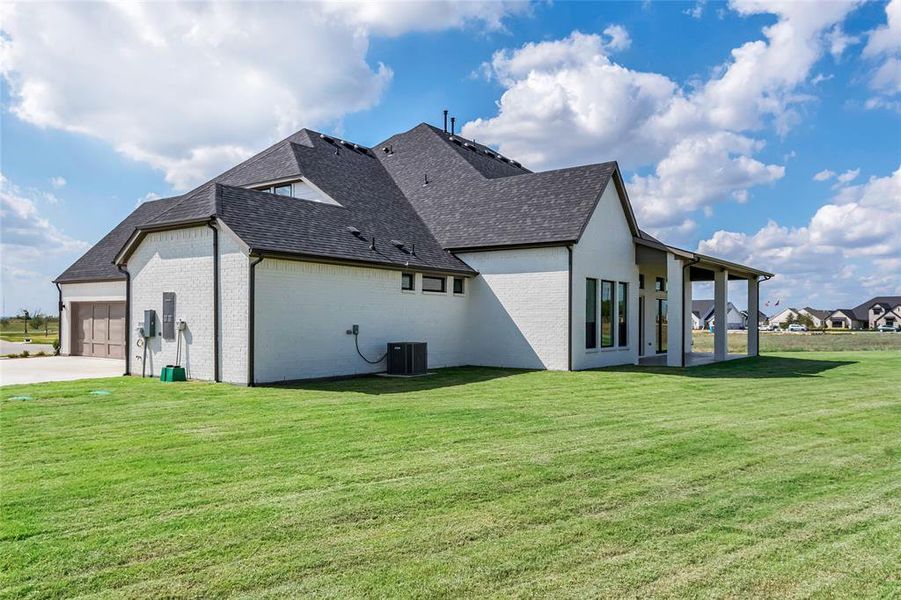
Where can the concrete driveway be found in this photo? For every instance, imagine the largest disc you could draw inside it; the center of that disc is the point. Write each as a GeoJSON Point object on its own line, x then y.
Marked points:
{"type": "Point", "coordinates": [57, 368]}
{"type": "Point", "coordinates": [18, 347]}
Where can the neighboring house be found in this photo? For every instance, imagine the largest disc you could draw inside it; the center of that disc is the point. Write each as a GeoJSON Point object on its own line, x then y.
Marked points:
{"type": "Point", "coordinates": [785, 316]}
{"type": "Point", "coordinates": [816, 315]}
{"type": "Point", "coordinates": [734, 318]}
{"type": "Point", "coordinates": [762, 319]}
{"type": "Point", "coordinates": [789, 315]}
{"type": "Point", "coordinates": [429, 237]}
{"type": "Point", "coordinates": [701, 310]}
{"type": "Point", "coordinates": [881, 310]}
{"type": "Point", "coordinates": [702, 315]}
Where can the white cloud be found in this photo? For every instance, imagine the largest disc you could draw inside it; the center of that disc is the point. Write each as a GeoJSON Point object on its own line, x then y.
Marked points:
{"type": "Point", "coordinates": [618, 38]}
{"type": "Point", "coordinates": [191, 88]}
{"type": "Point", "coordinates": [824, 175]}
{"type": "Point", "coordinates": [849, 249]}
{"type": "Point", "coordinates": [566, 102]}
{"type": "Point", "coordinates": [839, 41]}
{"type": "Point", "coordinates": [820, 78]}
{"type": "Point", "coordinates": [24, 233]}
{"type": "Point", "coordinates": [696, 11]}
{"type": "Point", "coordinates": [884, 48]}
{"type": "Point", "coordinates": [848, 176]}
{"type": "Point", "coordinates": [395, 18]}
{"type": "Point", "coordinates": [58, 182]}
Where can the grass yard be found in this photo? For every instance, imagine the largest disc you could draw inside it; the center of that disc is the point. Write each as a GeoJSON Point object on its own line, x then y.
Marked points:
{"type": "Point", "coordinates": [804, 342]}
{"type": "Point", "coordinates": [13, 330]}
{"type": "Point", "coordinates": [778, 476]}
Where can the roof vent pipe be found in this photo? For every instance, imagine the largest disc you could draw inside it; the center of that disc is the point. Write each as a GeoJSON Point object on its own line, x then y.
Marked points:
{"type": "Point", "coordinates": [453, 122]}
{"type": "Point", "coordinates": [372, 243]}
{"type": "Point", "coordinates": [445, 120]}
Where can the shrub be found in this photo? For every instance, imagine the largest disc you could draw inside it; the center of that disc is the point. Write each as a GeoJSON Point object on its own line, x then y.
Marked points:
{"type": "Point", "coordinates": [56, 346]}
{"type": "Point", "coordinates": [41, 353]}
{"type": "Point", "coordinates": [25, 354]}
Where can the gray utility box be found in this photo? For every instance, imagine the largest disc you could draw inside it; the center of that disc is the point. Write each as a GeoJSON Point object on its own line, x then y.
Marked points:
{"type": "Point", "coordinates": [407, 358]}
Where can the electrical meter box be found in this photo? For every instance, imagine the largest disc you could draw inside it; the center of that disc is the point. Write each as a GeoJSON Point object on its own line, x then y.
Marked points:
{"type": "Point", "coordinates": [168, 315]}
{"type": "Point", "coordinates": [150, 323]}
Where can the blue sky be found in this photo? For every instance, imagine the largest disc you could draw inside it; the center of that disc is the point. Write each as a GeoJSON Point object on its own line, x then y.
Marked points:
{"type": "Point", "coordinates": [721, 115]}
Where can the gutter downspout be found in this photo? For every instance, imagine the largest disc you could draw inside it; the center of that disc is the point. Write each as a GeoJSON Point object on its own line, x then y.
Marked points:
{"type": "Point", "coordinates": [693, 261]}
{"type": "Point", "coordinates": [59, 318]}
{"type": "Point", "coordinates": [216, 377]}
{"type": "Point", "coordinates": [127, 319]}
{"type": "Point", "coordinates": [251, 296]}
{"type": "Point", "coordinates": [569, 317]}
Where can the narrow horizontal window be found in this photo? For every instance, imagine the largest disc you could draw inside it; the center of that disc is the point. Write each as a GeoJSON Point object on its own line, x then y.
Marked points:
{"type": "Point", "coordinates": [458, 285]}
{"type": "Point", "coordinates": [283, 190]}
{"type": "Point", "coordinates": [434, 284]}
{"type": "Point", "coordinates": [407, 281]}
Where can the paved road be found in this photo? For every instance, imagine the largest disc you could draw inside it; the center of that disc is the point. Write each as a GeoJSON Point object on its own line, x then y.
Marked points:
{"type": "Point", "coordinates": [57, 368]}
{"type": "Point", "coordinates": [17, 347]}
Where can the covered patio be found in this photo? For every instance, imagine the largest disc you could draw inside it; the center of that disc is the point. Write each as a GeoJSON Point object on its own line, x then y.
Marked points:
{"type": "Point", "coordinates": [666, 275]}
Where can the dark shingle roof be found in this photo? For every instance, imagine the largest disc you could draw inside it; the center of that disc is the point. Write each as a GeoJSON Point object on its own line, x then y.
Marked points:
{"type": "Point", "coordinates": [97, 263]}
{"type": "Point", "coordinates": [464, 208]}
{"type": "Point", "coordinates": [862, 311]}
{"type": "Point", "coordinates": [702, 308]}
{"type": "Point", "coordinates": [433, 192]}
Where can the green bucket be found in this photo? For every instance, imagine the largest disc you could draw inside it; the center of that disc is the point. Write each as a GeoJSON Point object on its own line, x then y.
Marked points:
{"type": "Point", "coordinates": [171, 373]}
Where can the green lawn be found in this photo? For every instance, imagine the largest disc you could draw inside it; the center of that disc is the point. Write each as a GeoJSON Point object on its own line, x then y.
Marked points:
{"type": "Point", "coordinates": [771, 477]}
{"type": "Point", "coordinates": [804, 342]}
{"type": "Point", "coordinates": [13, 330]}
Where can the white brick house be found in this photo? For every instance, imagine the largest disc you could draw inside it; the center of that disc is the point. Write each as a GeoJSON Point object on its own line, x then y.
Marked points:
{"type": "Point", "coordinates": [425, 237]}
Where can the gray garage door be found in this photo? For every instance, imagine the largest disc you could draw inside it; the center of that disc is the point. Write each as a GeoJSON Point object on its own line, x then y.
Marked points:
{"type": "Point", "coordinates": [99, 329]}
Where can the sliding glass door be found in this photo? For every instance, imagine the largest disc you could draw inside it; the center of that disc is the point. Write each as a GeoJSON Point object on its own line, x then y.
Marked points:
{"type": "Point", "coordinates": [661, 325]}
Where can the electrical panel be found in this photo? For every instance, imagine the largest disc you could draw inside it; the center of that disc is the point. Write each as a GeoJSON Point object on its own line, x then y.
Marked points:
{"type": "Point", "coordinates": [168, 315]}
{"type": "Point", "coordinates": [150, 323]}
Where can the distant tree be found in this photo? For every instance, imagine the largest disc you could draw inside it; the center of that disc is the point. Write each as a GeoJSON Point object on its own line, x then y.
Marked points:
{"type": "Point", "coordinates": [26, 316]}
{"type": "Point", "coordinates": [806, 321]}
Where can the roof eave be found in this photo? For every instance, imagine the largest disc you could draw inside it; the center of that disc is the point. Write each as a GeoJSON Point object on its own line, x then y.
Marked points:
{"type": "Point", "coordinates": [338, 260]}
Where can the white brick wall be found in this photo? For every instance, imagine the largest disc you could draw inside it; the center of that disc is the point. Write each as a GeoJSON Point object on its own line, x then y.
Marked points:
{"type": "Point", "coordinates": [233, 300]}
{"type": "Point", "coordinates": [101, 291]}
{"type": "Point", "coordinates": [518, 316]}
{"type": "Point", "coordinates": [606, 251]}
{"type": "Point", "coordinates": [304, 309]}
{"type": "Point", "coordinates": [179, 261]}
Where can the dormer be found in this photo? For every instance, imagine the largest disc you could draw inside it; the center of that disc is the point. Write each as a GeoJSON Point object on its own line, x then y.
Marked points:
{"type": "Point", "coordinates": [297, 187]}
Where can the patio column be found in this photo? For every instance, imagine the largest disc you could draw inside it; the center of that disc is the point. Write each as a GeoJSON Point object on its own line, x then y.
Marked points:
{"type": "Point", "coordinates": [686, 319]}
{"type": "Point", "coordinates": [674, 311]}
{"type": "Point", "coordinates": [753, 316]}
{"type": "Point", "coordinates": [720, 304]}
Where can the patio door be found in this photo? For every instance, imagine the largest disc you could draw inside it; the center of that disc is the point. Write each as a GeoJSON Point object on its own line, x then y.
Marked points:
{"type": "Point", "coordinates": [661, 325]}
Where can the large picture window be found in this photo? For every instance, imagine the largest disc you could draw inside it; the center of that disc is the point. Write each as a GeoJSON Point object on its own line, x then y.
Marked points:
{"type": "Point", "coordinates": [622, 328]}
{"type": "Point", "coordinates": [591, 313]}
{"type": "Point", "coordinates": [607, 300]}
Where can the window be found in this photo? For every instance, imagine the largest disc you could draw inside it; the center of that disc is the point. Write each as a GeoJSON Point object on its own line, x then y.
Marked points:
{"type": "Point", "coordinates": [458, 285]}
{"type": "Point", "coordinates": [283, 190]}
{"type": "Point", "coordinates": [591, 313]}
{"type": "Point", "coordinates": [434, 284]}
{"type": "Point", "coordinates": [622, 330]}
{"type": "Point", "coordinates": [641, 281]}
{"type": "Point", "coordinates": [407, 281]}
{"type": "Point", "coordinates": [660, 284]}
{"type": "Point", "coordinates": [607, 314]}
